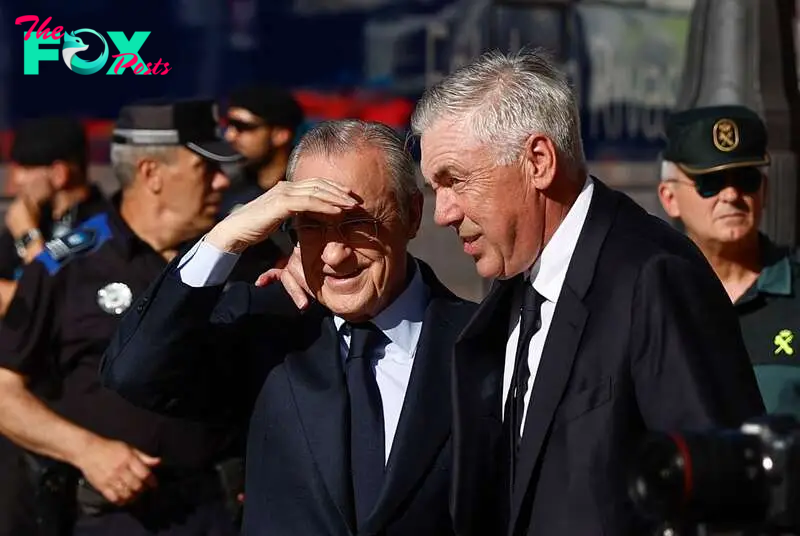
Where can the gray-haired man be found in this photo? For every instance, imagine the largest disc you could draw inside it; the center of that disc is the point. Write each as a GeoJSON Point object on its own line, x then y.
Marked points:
{"type": "Point", "coordinates": [623, 327]}
{"type": "Point", "coordinates": [350, 432]}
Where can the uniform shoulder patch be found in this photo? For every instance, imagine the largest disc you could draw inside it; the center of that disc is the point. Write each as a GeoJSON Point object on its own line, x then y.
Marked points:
{"type": "Point", "coordinates": [87, 237]}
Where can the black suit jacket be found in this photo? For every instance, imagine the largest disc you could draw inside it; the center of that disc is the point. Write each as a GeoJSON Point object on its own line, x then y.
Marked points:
{"type": "Point", "coordinates": [643, 338]}
{"type": "Point", "coordinates": [198, 352]}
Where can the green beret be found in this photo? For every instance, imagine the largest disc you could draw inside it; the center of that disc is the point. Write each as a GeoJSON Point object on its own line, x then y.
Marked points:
{"type": "Point", "coordinates": [714, 138]}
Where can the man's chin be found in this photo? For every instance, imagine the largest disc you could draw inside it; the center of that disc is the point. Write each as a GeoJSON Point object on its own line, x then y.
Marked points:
{"type": "Point", "coordinates": [351, 307]}
{"type": "Point", "coordinates": [488, 269]}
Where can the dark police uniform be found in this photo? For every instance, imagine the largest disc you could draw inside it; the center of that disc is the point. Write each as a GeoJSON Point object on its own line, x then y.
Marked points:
{"type": "Point", "coordinates": [10, 262]}
{"type": "Point", "coordinates": [38, 142]}
{"type": "Point", "coordinates": [705, 140]}
{"type": "Point", "coordinates": [68, 304]}
{"type": "Point", "coordinates": [769, 313]}
{"type": "Point", "coordinates": [16, 505]}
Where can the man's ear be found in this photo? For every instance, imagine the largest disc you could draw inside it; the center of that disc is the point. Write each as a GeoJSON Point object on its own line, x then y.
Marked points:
{"type": "Point", "coordinates": [669, 202]}
{"type": "Point", "coordinates": [281, 136]}
{"type": "Point", "coordinates": [59, 175]}
{"type": "Point", "coordinates": [540, 162]}
{"type": "Point", "coordinates": [151, 173]}
{"type": "Point", "coordinates": [415, 214]}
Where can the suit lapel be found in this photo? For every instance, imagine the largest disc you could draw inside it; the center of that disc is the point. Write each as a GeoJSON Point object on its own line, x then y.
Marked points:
{"type": "Point", "coordinates": [551, 380]}
{"type": "Point", "coordinates": [425, 419]}
{"type": "Point", "coordinates": [320, 393]}
{"type": "Point", "coordinates": [562, 343]}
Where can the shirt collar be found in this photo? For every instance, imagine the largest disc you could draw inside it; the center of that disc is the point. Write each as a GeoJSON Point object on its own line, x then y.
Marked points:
{"type": "Point", "coordinates": [776, 273]}
{"type": "Point", "coordinates": [401, 320]}
{"type": "Point", "coordinates": [550, 269]}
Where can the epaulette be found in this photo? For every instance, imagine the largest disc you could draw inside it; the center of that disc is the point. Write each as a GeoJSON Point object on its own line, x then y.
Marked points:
{"type": "Point", "coordinates": [87, 237]}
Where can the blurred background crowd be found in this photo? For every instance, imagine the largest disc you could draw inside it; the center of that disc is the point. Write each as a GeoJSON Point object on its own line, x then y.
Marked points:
{"type": "Point", "coordinates": [369, 59]}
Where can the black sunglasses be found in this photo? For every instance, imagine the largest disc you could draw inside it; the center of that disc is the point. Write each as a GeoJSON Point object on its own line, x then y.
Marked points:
{"type": "Point", "coordinates": [243, 126]}
{"type": "Point", "coordinates": [746, 180]}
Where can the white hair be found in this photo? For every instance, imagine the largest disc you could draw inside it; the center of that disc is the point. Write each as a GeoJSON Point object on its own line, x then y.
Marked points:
{"type": "Point", "coordinates": [504, 98]}
{"type": "Point", "coordinates": [125, 159]}
{"type": "Point", "coordinates": [334, 138]}
{"type": "Point", "coordinates": [669, 170]}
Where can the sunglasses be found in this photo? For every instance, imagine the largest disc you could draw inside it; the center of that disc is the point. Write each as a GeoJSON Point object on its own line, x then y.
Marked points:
{"type": "Point", "coordinates": [243, 126]}
{"type": "Point", "coordinates": [745, 180]}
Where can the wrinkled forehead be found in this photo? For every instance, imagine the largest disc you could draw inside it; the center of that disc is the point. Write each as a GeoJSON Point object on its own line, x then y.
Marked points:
{"type": "Point", "coordinates": [364, 171]}
{"type": "Point", "coordinates": [449, 148]}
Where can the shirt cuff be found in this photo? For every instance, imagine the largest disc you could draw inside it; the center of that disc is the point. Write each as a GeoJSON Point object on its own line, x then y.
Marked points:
{"type": "Point", "coordinates": [206, 266]}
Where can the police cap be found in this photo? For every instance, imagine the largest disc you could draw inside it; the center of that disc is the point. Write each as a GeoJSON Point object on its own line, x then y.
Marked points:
{"type": "Point", "coordinates": [45, 140]}
{"type": "Point", "coordinates": [715, 138]}
{"type": "Point", "coordinates": [191, 123]}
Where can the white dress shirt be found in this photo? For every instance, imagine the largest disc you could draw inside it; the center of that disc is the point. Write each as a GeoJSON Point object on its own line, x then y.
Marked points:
{"type": "Point", "coordinates": [401, 322]}
{"type": "Point", "coordinates": [547, 274]}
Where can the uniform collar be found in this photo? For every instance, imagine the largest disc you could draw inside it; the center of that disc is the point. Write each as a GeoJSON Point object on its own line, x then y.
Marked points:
{"type": "Point", "coordinates": [776, 274]}
{"type": "Point", "coordinates": [94, 203]}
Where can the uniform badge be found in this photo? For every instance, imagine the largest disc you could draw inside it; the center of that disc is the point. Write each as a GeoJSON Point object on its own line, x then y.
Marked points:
{"type": "Point", "coordinates": [726, 135]}
{"type": "Point", "coordinates": [115, 298]}
{"type": "Point", "coordinates": [783, 342]}
{"type": "Point", "coordinates": [68, 245]}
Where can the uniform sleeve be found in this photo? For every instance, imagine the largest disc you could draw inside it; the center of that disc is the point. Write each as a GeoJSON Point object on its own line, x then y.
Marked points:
{"type": "Point", "coordinates": [9, 261]}
{"type": "Point", "coordinates": [690, 365]}
{"type": "Point", "coordinates": [29, 329]}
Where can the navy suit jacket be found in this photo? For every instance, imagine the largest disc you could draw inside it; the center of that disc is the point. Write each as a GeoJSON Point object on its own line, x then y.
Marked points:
{"type": "Point", "coordinates": [205, 352]}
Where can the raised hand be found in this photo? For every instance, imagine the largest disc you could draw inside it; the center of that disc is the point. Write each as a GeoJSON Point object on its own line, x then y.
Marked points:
{"type": "Point", "coordinates": [256, 220]}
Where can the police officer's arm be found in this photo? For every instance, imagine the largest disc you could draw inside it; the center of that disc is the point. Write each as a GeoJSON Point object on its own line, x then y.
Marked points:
{"type": "Point", "coordinates": [7, 290]}
{"type": "Point", "coordinates": [27, 339]}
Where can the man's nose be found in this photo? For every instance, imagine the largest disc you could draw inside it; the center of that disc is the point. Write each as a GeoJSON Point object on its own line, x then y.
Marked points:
{"type": "Point", "coordinates": [220, 181]}
{"type": "Point", "coordinates": [334, 253]}
{"type": "Point", "coordinates": [729, 194]}
{"type": "Point", "coordinates": [447, 212]}
{"type": "Point", "coordinates": [231, 134]}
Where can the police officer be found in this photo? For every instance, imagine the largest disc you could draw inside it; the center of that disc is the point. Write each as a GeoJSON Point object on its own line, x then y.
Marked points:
{"type": "Point", "coordinates": [713, 180]}
{"type": "Point", "coordinates": [134, 473]}
{"type": "Point", "coordinates": [49, 173]}
{"type": "Point", "coordinates": [262, 122]}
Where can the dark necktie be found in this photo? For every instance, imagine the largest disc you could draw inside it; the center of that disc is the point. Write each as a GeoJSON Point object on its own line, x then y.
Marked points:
{"type": "Point", "coordinates": [530, 322]}
{"type": "Point", "coordinates": [366, 418]}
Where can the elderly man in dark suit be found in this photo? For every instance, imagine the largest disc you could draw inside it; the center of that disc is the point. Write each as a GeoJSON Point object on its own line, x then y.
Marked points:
{"type": "Point", "coordinates": [350, 395]}
{"type": "Point", "coordinates": [621, 325]}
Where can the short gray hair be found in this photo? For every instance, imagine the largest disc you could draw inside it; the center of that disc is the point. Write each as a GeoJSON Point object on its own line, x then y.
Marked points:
{"type": "Point", "coordinates": [334, 138]}
{"type": "Point", "coordinates": [125, 159]}
{"type": "Point", "coordinates": [504, 98]}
